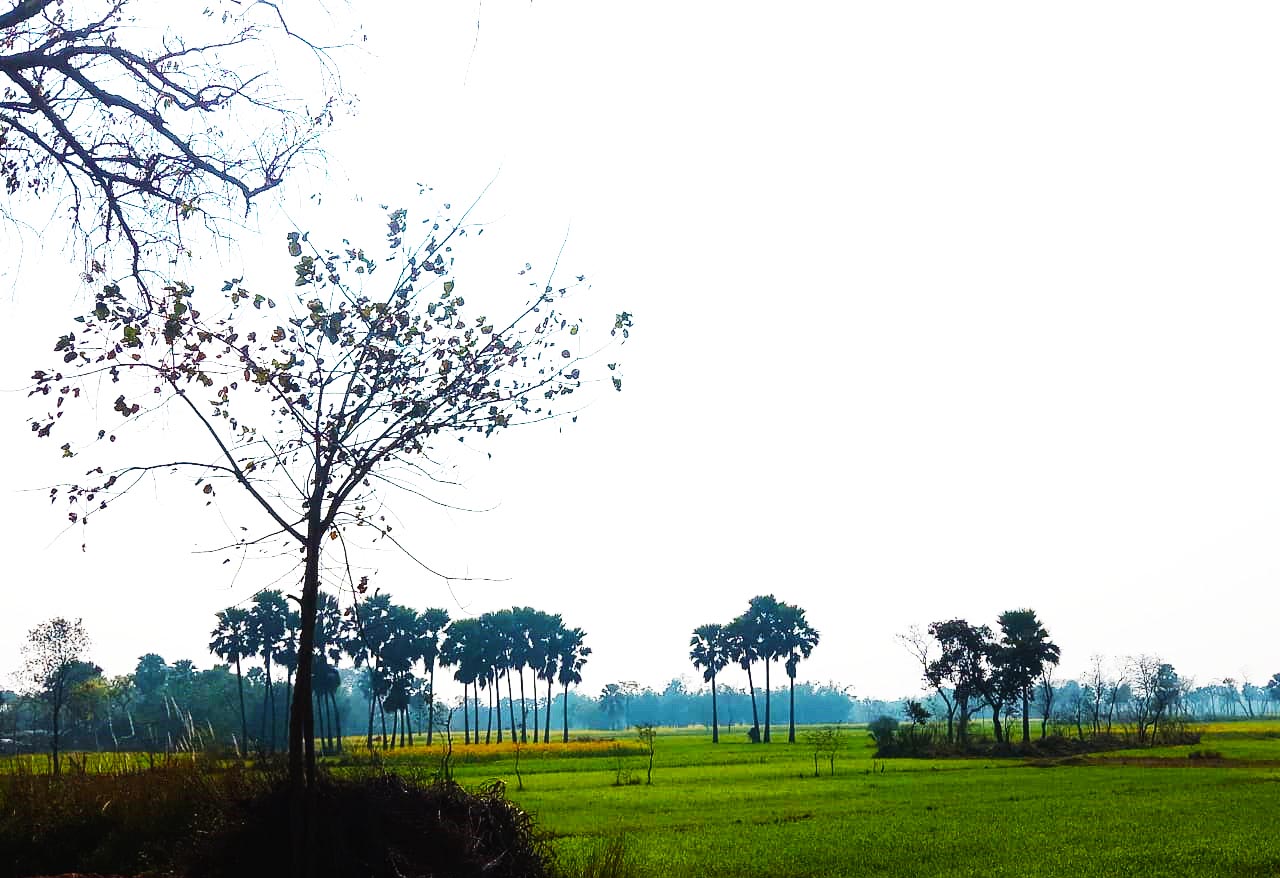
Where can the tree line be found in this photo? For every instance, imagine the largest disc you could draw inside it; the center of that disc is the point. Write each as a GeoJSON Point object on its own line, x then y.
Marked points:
{"type": "Point", "coordinates": [377, 664]}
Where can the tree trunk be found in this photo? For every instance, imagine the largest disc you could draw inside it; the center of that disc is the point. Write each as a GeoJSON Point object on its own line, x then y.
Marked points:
{"type": "Point", "coordinates": [244, 723]}
{"type": "Point", "coordinates": [546, 729]}
{"type": "Point", "coordinates": [768, 698]}
{"type": "Point", "coordinates": [1026, 717]}
{"type": "Point", "coordinates": [372, 702]}
{"type": "Point", "coordinates": [524, 714]}
{"type": "Point", "coordinates": [755, 716]}
{"type": "Point", "coordinates": [715, 717]}
{"type": "Point", "coordinates": [302, 754]}
{"type": "Point", "coordinates": [57, 711]}
{"type": "Point", "coordinates": [488, 728]}
{"type": "Point", "coordinates": [791, 715]}
{"type": "Point", "coordinates": [995, 723]}
{"type": "Point", "coordinates": [431, 702]}
{"type": "Point", "coordinates": [266, 705]}
{"type": "Point", "coordinates": [466, 717]}
{"type": "Point", "coordinates": [511, 707]}
{"type": "Point", "coordinates": [566, 713]}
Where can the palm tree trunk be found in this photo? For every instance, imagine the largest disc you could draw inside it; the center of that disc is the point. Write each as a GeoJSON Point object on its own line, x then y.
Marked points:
{"type": "Point", "coordinates": [524, 714]}
{"type": "Point", "coordinates": [566, 713]}
{"type": "Point", "coordinates": [768, 698]}
{"type": "Point", "coordinates": [715, 718]}
{"type": "Point", "coordinates": [372, 702]}
{"type": "Point", "coordinates": [511, 707]}
{"type": "Point", "coordinates": [431, 702]}
{"type": "Point", "coordinates": [466, 717]}
{"type": "Point", "coordinates": [791, 716]}
{"type": "Point", "coordinates": [266, 703]}
{"type": "Point", "coordinates": [546, 730]}
{"type": "Point", "coordinates": [337, 720]}
{"type": "Point", "coordinates": [488, 729]}
{"type": "Point", "coordinates": [755, 716]}
{"type": "Point", "coordinates": [244, 723]}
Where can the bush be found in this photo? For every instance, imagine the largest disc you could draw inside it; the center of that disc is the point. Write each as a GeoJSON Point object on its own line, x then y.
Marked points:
{"type": "Point", "coordinates": [882, 731]}
{"type": "Point", "coordinates": [204, 821]}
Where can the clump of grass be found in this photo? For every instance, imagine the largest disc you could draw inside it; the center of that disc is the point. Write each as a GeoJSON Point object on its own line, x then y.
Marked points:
{"type": "Point", "coordinates": [610, 858]}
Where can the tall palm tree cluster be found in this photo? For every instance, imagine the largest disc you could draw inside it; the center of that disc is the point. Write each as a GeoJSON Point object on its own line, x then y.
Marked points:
{"type": "Point", "coordinates": [389, 642]}
{"type": "Point", "coordinates": [769, 631]}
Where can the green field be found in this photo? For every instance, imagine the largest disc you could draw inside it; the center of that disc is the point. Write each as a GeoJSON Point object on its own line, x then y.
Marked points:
{"type": "Point", "coordinates": [737, 809]}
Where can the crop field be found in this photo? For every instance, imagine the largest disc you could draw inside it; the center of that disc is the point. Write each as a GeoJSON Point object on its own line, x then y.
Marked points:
{"type": "Point", "coordinates": [736, 809]}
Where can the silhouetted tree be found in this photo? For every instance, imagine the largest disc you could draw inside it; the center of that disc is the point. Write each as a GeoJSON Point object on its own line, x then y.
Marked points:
{"type": "Point", "coordinates": [230, 641]}
{"type": "Point", "coordinates": [127, 126]}
{"type": "Point", "coordinates": [709, 652]}
{"type": "Point", "coordinates": [573, 653]}
{"type": "Point", "coordinates": [796, 639]}
{"type": "Point", "coordinates": [312, 409]}
{"type": "Point", "coordinates": [1024, 651]}
{"type": "Point", "coordinates": [51, 656]}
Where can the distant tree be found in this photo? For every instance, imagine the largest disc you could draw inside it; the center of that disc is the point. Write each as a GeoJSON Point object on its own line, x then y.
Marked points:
{"type": "Point", "coordinates": [431, 625]}
{"type": "Point", "coordinates": [1023, 653]}
{"type": "Point", "coordinates": [230, 640]}
{"type": "Point", "coordinates": [648, 735]}
{"type": "Point", "coordinates": [936, 672]}
{"type": "Point", "coordinates": [765, 618]}
{"type": "Point", "coordinates": [746, 646]}
{"type": "Point", "coordinates": [709, 652]}
{"type": "Point", "coordinates": [612, 702]}
{"type": "Point", "coordinates": [964, 661]}
{"type": "Point", "coordinates": [1156, 692]}
{"type": "Point", "coordinates": [126, 127]}
{"type": "Point", "coordinates": [796, 639]}
{"type": "Point", "coordinates": [51, 656]}
{"type": "Point", "coordinates": [268, 626]}
{"type": "Point", "coordinates": [573, 653]}
{"type": "Point", "coordinates": [544, 657]}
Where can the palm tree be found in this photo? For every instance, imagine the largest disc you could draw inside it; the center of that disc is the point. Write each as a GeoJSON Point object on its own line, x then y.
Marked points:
{"type": "Point", "coordinates": [330, 644]}
{"type": "Point", "coordinates": [544, 631]}
{"type": "Point", "coordinates": [765, 615]}
{"type": "Point", "coordinates": [523, 620]}
{"type": "Point", "coordinates": [572, 656]}
{"type": "Point", "coordinates": [797, 639]}
{"type": "Point", "coordinates": [709, 650]}
{"type": "Point", "coordinates": [612, 702]}
{"type": "Point", "coordinates": [460, 649]}
{"type": "Point", "coordinates": [1024, 650]}
{"type": "Point", "coordinates": [229, 641]}
{"type": "Point", "coordinates": [744, 648]}
{"type": "Point", "coordinates": [431, 623]}
{"type": "Point", "coordinates": [269, 618]}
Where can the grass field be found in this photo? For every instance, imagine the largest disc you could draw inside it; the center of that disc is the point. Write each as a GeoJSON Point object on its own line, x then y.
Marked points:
{"type": "Point", "coordinates": [737, 809]}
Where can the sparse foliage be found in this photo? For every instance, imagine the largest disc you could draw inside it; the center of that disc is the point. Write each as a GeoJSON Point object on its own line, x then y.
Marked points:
{"type": "Point", "coordinates": [121, 110]}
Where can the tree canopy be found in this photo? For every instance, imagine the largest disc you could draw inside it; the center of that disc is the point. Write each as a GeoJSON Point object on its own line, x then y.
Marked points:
{"type": "Point", "coordinates": [121, 111]}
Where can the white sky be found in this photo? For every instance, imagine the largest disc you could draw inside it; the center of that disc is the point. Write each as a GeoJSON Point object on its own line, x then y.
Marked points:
{"type": "Point", "coordinates": [941, 311]}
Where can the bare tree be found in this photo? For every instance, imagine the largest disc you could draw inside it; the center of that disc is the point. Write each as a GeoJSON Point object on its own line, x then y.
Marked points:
{"type": "Point", "coordinates": [138, 124]}
{"type": "Point", "coordinates": [51, 654]}
{"type": "Point", "coordinates": [314, 407]}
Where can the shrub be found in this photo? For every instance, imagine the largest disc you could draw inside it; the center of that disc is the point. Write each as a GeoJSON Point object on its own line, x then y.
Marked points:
{"type": "Point", "coordinates": [882, 731]}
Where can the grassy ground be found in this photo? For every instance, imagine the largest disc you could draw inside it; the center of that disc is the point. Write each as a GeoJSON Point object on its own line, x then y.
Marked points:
{"type": "Point", "coordinates": [737, 809]}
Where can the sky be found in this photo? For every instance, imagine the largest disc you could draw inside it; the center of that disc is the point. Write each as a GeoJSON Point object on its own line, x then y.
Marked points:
{"type": "Point", "coordinates": [940, 311]}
